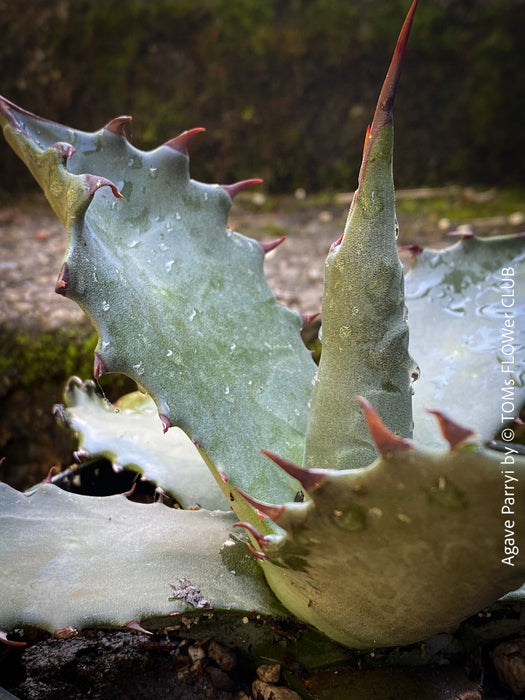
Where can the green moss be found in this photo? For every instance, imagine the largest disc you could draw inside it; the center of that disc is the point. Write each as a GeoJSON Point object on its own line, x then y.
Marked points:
{"type": "Point", "coordinates": [26, 359]}
{"type": "Point", "coordinates": [464, 204]}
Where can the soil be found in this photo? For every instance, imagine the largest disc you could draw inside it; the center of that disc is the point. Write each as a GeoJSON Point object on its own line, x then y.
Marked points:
{"type": "Point", "coordinates": [116, 664]}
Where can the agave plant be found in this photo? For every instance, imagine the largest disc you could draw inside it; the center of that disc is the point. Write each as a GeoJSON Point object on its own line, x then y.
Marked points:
{"type": "Point", "coordinates": [355, 509]}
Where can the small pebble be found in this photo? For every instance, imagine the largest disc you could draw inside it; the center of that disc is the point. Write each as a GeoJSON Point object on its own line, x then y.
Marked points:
{"type": "Point", "coordinates": [196, 653]}
{"type": "Point", "coordinates": [224, 658]}
{"type": "Point", "coordinates": [269, 673]}
{"type": "Point", "coordinates": [509, 661]}
{"type": "Point", "coordinates": [266, 691]}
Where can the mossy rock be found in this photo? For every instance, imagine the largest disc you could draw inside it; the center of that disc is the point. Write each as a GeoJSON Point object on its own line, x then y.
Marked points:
{"type": "Point", "coordinates": [35, 363]}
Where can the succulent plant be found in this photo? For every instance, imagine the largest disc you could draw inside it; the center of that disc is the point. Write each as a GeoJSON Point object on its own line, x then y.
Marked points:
{"type": "Point", "coordinates": [368, 523]}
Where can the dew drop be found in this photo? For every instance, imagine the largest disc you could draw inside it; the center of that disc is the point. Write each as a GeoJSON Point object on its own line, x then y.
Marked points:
{"type": "Point", "coordinates": [134, 244]}
{"type": "Point", "coordinates": [139, 368]}
{"type": "Point", "coordinates": [153, 172]}
{"type": "Point", "coordinates": [351, 519]}
{"type": "Point", "coordinates": [169, 353]}
{"type": "Point", "coordinates": [105, 344]}
{"type": "Point", "coordinates": [205, 195]}
{"type": "Point", "coordinates": [192, 315]}
{"type": "Point", "coordinates": [169, 265]}
{"type": "Point", "coordinates": [232, 347]}
{"type": "Point", "coordinates": [227, 390]}
{"type": "Point", "coordinates": [105, 305]}
{"type": "Point", "coordinates": [178, 216]}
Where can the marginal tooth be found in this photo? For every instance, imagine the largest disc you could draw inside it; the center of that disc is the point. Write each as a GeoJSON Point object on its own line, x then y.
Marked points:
{"type": "Point", "coordinates": [99, 366]}
{"type": "Point", "coordinates": [453, 433]}
{"type": "Point", "coordinates": [309, 479]}
{"type": "Point", "coordinates": [128, 494]}
{"type": "Point", "coordinates": [261, 540]}
{"type": "Point", "coordinates": [336, 243]}
{"type": "Point", "coordinates": [64, 150]}
{"type": "Point", "coordinates": [72, 384]}
{"type": "Point", "coordinates": [258, 555]}
{"type": "Point", "coordinates": [95, 182]}
{"type": "Point", "coordinates": [268, 246]}
{"type": "Point", "coordinates": [62, 284]}
{"type": "Point", "coordinates": [413, 249]}
{"type": "Point", "coordinates": [10, 642]}
{"type": "Point", "coordinates": [48, 479]}
{"type": "Point", "coordinates": [234, 189]}
{"type": "Point", "coordinates": [160, 495]}
{"type": "Point", "coordinates": [166, 423]}
{"type": "Point", "coordinates": [135, 625]}
{"type": "Point", "coordinates": [271, 511]}
{"type": "Point", "coordinates": [181, 142]}
{"type": "Point", "coordinates": [119, 124]}
{"type": "Point", "coordinates": [308, 318]}
{"type": "Point", "coordinates": [385, 440]}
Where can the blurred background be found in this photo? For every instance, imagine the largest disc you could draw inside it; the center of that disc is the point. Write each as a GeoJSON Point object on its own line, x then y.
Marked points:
{"type": "Point", "coordinates": [284, 89]}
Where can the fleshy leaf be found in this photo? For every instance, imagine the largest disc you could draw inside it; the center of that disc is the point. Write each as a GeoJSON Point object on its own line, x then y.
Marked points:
{"type": "Point", "coordinates": [467, 303]}
{"type": "Point", "coordinates": [89, 562]}
{"type": "Point", "coordinates": [131, 436]}
{"type": "Point", "coordinates": [419, 541]}
{"type": "Point", "coordinates": [180, 301]}
{"type": "Point", "coordinates": [364, 331]}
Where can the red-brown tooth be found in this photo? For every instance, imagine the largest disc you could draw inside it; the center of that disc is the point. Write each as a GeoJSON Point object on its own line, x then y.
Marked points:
{"type": "Point", "coordinates": [236, 187]}
{"type": "Point", "coordinates": [309, 479]}
{"type": "Point", "coordinates": [62, 284]}
{"type": "Point", "coordinates": [119, 125]}
{"type": "Point", "coordinates": [385, 440]}
{"type": "Point", "coordinates": [271, 511]}
{"type": "Point", "coordinates": [181, 142]}
{"type": "Point", "coordinates": [453, 433]}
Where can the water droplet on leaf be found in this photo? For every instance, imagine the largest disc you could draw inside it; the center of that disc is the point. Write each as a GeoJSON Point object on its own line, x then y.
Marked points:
{"type": "Point", "coordinates": [139, 368]}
